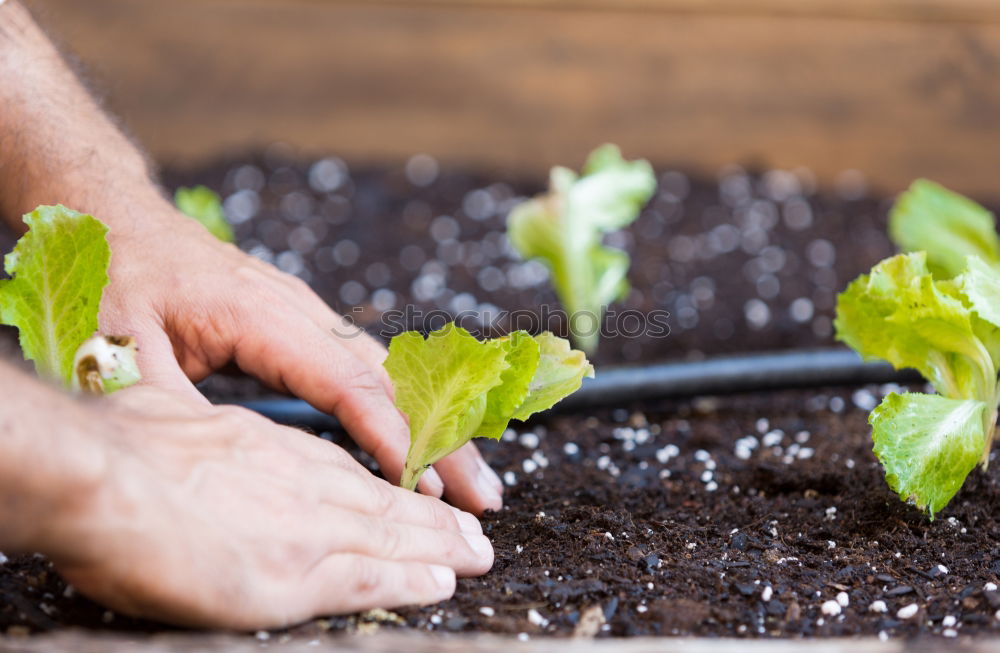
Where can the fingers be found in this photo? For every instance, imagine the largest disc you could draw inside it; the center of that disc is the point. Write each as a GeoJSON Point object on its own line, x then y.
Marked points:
{"type": "Point", "coordinates": [293, 353]}
{"type": "Point", "coordinates": [156, 360]}
{"type": "Point", "coordinates": [338, 369]}
{"type": "Point", "coordinates": [376, 498]}
{"type": "Point", "coordinates": [471, 484]}
{"type": "Point", "coordinates": [469, 554]}
{"type": "Point", "coordinates": [345, 583]}
{"type": "Point", "coordinates": [359, 343]}
{"type": "Point", "coordinates": [352, 337]}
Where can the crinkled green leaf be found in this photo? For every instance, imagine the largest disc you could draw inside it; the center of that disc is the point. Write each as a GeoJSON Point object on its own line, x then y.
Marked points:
{"type": "Point", "coordinates": [979, 288]}
{"type": "Point", "coordinates": [452, 387]}
{"type": "Point", "coordinates": [900, 314]}
{"type": "Point", "coordinates": [503, 400]}
{"type": "Point", "coordinates": [611, 191]}
{"type": "Point", "coordinates": [949, 227]}
{"type": "Point", "coordinates": [59, 269]}
{"type": "Point", "coordinates": [204, 205]}
{"type": "Point", "coordinates": [948, 329]}
{"type": "Point", "coordinates": [438, 381]}
{"type": "Point", "coordinates": [928, 444]}
{"type": "Point", "coordinates": [980, 284]}
{"type": "Point", "coordinates": [564, 229]}
{"type": "Point", "coordinates": [561, 371]}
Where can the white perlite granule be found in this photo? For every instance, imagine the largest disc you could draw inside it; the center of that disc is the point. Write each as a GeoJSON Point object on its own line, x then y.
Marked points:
{"type": "Point", "coordinates": [831, 608]}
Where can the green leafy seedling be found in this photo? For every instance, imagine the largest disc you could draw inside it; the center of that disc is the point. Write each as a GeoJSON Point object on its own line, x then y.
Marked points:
{"type": "Point", "coordinates": [58, 271]}
{"type": "Point", "coordinates": [949, 227]}
{"type": "Point", "coordinates": [453, 387]}
{"type": "Point", "coordinates": [203, 204]}
{"type": "Point", "coordinates": [564, 228]}
{"type": "Point", "coordinates": [948, 330]}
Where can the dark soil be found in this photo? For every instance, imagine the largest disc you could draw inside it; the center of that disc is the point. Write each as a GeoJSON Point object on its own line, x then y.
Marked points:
{"type": "Point", "coordinates": [730, 536]}
{"type": "Point", "coordinates": [744, 262]}
{"type": "Point", "coordinates": [603, 528]}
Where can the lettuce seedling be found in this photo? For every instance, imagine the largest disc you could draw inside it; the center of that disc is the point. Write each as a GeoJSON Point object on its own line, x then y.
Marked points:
{"type": "Point", "coordinates": [949, 227]}
{"type": "Point", "coordinates": [203, 204]}
{"type": "Point", "coordinates": [948, 330]}
{"type": "Point", "coordinates": [453, 387]}
{"type": "Point", "coordinates": [58, 270]}
{"type": "Point", "coordinates": [564, 228]}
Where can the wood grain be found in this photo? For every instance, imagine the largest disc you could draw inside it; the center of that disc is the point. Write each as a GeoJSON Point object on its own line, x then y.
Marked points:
{"type": "Point", "coordinates": [384, 642]}
{"type": "Point", "coordinates": [523, 87]}
{"type": "Point", "coordinates": [926, 10]}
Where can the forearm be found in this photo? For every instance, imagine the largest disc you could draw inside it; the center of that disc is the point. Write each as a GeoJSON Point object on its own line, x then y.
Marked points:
{"type": "Point", "coordinates": [47, 463]}
{"type": "Point", "coordinates": [56, 145]}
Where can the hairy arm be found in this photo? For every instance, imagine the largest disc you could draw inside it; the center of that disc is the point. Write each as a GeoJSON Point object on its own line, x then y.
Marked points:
{"type": "Point", "coordinates": [162, 507]}
{"type": "Point", "coordinates": [45, 465]}
{"type": "Point", "coordinates": [56, 145]}
{"type": "Point", "coordinates": [193, 304]}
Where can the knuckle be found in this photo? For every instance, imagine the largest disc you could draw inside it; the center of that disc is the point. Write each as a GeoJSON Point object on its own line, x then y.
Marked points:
{"type": "Point", "coordinates": [364, 379]}
{"type": "Point", "coordinates": [286, 557]}
{"type": "Point", "coordinates": [355, 379]}
{"type": "Point", "coordinates": [366, 578]}
{"type": "Point", "coordinates": [389, 538]}
{"type": "Point", "coordinates": [440, 517]}
{"type": "Point", "coordinates": [383, 499]}
{"type": "Point", "coordinates": [454, 547]}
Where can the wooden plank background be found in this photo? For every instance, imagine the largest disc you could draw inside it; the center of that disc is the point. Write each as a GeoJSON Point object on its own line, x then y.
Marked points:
{"type": "Point", "coordinates": [390, 642]}
{"type": "Point", "coordinates": [951, 10]}
{"type": "Point", "coordinates": [898, 89]}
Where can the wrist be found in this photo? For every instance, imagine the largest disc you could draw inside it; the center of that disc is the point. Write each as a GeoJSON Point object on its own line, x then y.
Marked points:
{"type": "Point", "coordinates": [49, 157]}
{"type": "Point", "coordinates": [51, 463]}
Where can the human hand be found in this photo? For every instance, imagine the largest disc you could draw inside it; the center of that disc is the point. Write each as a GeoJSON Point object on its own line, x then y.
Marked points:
{"type": "Point", "coordinates": [195, 304]}
{"type": "Point", "coordinates": [214, 516]}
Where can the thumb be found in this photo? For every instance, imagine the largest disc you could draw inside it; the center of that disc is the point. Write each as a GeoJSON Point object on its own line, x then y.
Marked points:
{"type": "Point", "coordinates": [159, 366]}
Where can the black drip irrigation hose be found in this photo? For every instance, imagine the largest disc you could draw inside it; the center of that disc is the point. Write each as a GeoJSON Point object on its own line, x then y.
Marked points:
{"type": "Point", "coordinates": [714, 376]}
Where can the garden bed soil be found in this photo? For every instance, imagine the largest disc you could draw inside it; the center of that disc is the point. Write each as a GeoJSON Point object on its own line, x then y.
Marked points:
{"type": "Point", "coordinates": [741, 516]}
{"type": "Point", "coordinates": [607, 529]}
{"type": "Point", "coordinates": [747, 261]}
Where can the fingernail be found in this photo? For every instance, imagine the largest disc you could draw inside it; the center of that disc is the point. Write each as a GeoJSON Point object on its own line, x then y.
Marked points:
{"type": "Point", "coordinates": [444, 577]}
{"type": "Point", "coordinates": [488, 492]}
{"type": "Point", "coordinates": [479, 545]}
{"type": "Point", "coordinates": [432, 483]}
{"type": "Point", "coordinates": [486, 472]}
{"type": "Point", "coordinates": [467, 523]}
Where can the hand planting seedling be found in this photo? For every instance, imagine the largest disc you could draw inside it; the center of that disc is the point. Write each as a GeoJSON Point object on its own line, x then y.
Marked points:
{"type": "Point", "coordinates": [948, 330]}
{"type": "Point", "coordinates": [203, 204]}
{"type": "Point", "coordinates": [564, 228]}
{"type": "Point", "coordinates": [453, 387]}
{"type": "Point", "coordinates": [59, 269]}
{"type": "Point", "coordinates": [949, 227]}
